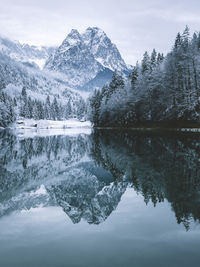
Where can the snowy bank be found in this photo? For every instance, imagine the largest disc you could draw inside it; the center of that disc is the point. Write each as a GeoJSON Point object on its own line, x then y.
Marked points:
{"type": "Point", "coordinates": [31, 128]}
{"type": "Point", "coordinates": [50, 124]}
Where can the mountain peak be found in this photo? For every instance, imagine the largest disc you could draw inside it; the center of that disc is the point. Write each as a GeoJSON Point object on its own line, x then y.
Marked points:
{"type": "Point", "coordinates": [72, 39]}
{"type": "Point", "coordinates": [95, 30]}
{"type": "Point", "coordinates": [74, 33]}
{"type": "Point", "coordinates": [102, 48]}
{"type": "Point", "coordinates": [93, 33]}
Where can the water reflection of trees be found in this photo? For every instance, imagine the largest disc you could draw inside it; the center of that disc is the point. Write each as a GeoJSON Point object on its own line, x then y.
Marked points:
{"type": "Point", "coordinates": [31, 160]}
{"type": "Point", "coordinates": [159, 168]}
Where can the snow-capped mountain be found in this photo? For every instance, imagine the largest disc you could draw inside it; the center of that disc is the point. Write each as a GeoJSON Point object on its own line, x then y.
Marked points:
{"type": "Point", "coordinates": [84, 61]}
{"type": "Point", "coordinates": [75, 60]}
{"type": "Point", "coordinates": [88, 60]}
{"type": "Point", "coordinates": [25, 53]}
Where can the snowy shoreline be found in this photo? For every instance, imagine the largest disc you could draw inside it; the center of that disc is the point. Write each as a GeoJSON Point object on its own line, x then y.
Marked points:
{"type": "Point", "coordinates": [50, 124]}
{"type": "Point", "coordinates": [30, 127]}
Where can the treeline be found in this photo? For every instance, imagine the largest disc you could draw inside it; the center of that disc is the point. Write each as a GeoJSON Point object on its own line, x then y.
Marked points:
{"type": "Point", "coordinates": [7, 112]}
{"type": "Point", "coordinates": [159, 89]}
{"type": "Point", "coordinates": [54, 110]}
{"type": "Point", "coordinates": [29, 102]}
{"type": "Point", "coordinates": [29, 108]}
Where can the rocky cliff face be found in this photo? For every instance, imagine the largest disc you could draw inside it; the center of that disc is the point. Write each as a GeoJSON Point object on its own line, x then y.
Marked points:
{"type": "Point", "coordinates": [103, 50]}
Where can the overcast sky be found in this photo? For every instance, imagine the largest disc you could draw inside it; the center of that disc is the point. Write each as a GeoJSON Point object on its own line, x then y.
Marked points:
{"type": "Point", "coordinates": [133, 25]}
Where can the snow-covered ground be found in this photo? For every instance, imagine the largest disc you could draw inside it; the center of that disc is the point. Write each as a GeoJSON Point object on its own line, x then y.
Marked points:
{"type": "Point", "coordinates": [31, 128]}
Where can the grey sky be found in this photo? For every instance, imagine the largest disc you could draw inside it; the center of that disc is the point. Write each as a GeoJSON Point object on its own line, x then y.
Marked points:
{"type": "Point", "coordinates": [134, 25]}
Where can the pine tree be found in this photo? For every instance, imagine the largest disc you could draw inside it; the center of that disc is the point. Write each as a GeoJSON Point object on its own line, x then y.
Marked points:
{"type": "Point", "coordinates": [15, 102]}
{"type": "Point", "coordinates": [117, 80]}
{"type": "Point", "coordinates": [24, 94]}
{"type": "Point", "coordinates": [7, 112]}
{"type": "Point", "coordinates": [160, 58]}
{"type": "Point", "coordinates": [68, 110]}
{"type": "Point", "coordinates": [178, 41]}
{"type": "Point", "coordinates": [165, 88]}
{"type": "Point", "coordinates": [55, 110]}
{"type": "Point", "coordinates": [153, 59]}
{"type": "Point", "coordinates": [30, 107]}
{"type": "Point", "coordinates": [134, 75]}
{"type": "Point", "coordinates": [95, 105]}
{"type": "Point", "coordinates": [185, 37]}
{"type": "Point", "coordinates": [40, 110]}
{"type": "Point", "coordinates": [27, 113]}
{"type": "Point", "coordinates": [47, 108]}
{"type": "Point", "coordinates": [35, 112]}
{"type": "Point", "coordinates": [145, 67]}
{"type": "Point", "coordinates": [81, 110]}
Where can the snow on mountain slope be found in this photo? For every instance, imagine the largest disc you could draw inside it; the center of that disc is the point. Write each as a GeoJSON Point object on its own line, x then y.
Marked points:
{"type": "Point", "coordinates": [74, 59]}
{"type": "Point", "coordinates": [83, 61]}
{"type": "Point", "coordinates": [104, 51]}
{"type": "Point", "coordinates": [87, 60]}
{"type": "Point", "coordinates": [38, 84]}
{"type": "Point", "coordinates": [25, 52]}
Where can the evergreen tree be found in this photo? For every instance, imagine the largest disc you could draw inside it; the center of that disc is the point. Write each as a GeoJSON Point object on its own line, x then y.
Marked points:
{"type": "Point", "coordinates": [47, 108]}
{"type": "Point", "coordinates": [81, 110]}
{"type": "Point", "coordinates": [117, 80]}
{"type": "Point", "coordinates": [7, 112]}
{"type": "Point", "coordinates": [35, 112]}
{"type": "Point", "coordinates": [40, 109]}
{"type": "Point", "coordinates": [134, 75]}
{"type": "Point", "coordinates": [153, 59]}
{"type": "Point", "coordinates": [185, 37]}
{"type": "Point", "coordinates": [68, 110]}
{"type": "Point", "coordinates": [178, 41]}
{"type": "Point", "coordinates": [24, 94]}
{"type": "Point", "coordinates": [160, 58]}
{"type": "Point", "coordinates": [146, 63]}
{"type": "Point", "coordinates": [165, 89]}
{"type": "Point", "coordinates": [55, 110]}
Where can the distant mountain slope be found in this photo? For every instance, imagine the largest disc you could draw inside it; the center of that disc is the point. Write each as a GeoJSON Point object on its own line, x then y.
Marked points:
{"type": "Point", "coordinates": [86, 59]}
{"type": "Point", "coordinates": [25, 52]}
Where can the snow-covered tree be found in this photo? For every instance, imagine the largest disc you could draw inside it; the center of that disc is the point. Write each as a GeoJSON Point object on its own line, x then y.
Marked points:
{"type": "Point", "coordinates": [162, 89]}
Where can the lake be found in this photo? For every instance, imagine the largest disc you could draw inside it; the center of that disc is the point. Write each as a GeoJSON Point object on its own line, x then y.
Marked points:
{"type": "Point", "coordinates": [105, 199]}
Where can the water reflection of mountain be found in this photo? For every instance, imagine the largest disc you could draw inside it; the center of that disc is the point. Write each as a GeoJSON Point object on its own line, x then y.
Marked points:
{"type": "Point", "coordinates": [87, 175]}
{"type": "Point", "coordinates": [56, 171]}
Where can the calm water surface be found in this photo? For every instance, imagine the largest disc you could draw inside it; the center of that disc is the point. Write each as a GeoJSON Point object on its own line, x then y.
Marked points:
{"type": "Point", "coordinates": [105, 199]}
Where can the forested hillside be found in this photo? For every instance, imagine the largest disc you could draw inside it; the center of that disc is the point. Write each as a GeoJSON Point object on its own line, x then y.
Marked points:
{"type": "Point", "coordinates": [27, 92]}
{"type": "Point", "coordinates": [159, 89]}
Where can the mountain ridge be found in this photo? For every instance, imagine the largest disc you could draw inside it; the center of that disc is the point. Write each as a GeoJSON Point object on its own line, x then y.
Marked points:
{"type": "Point", "coordinates": [25, 53]}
